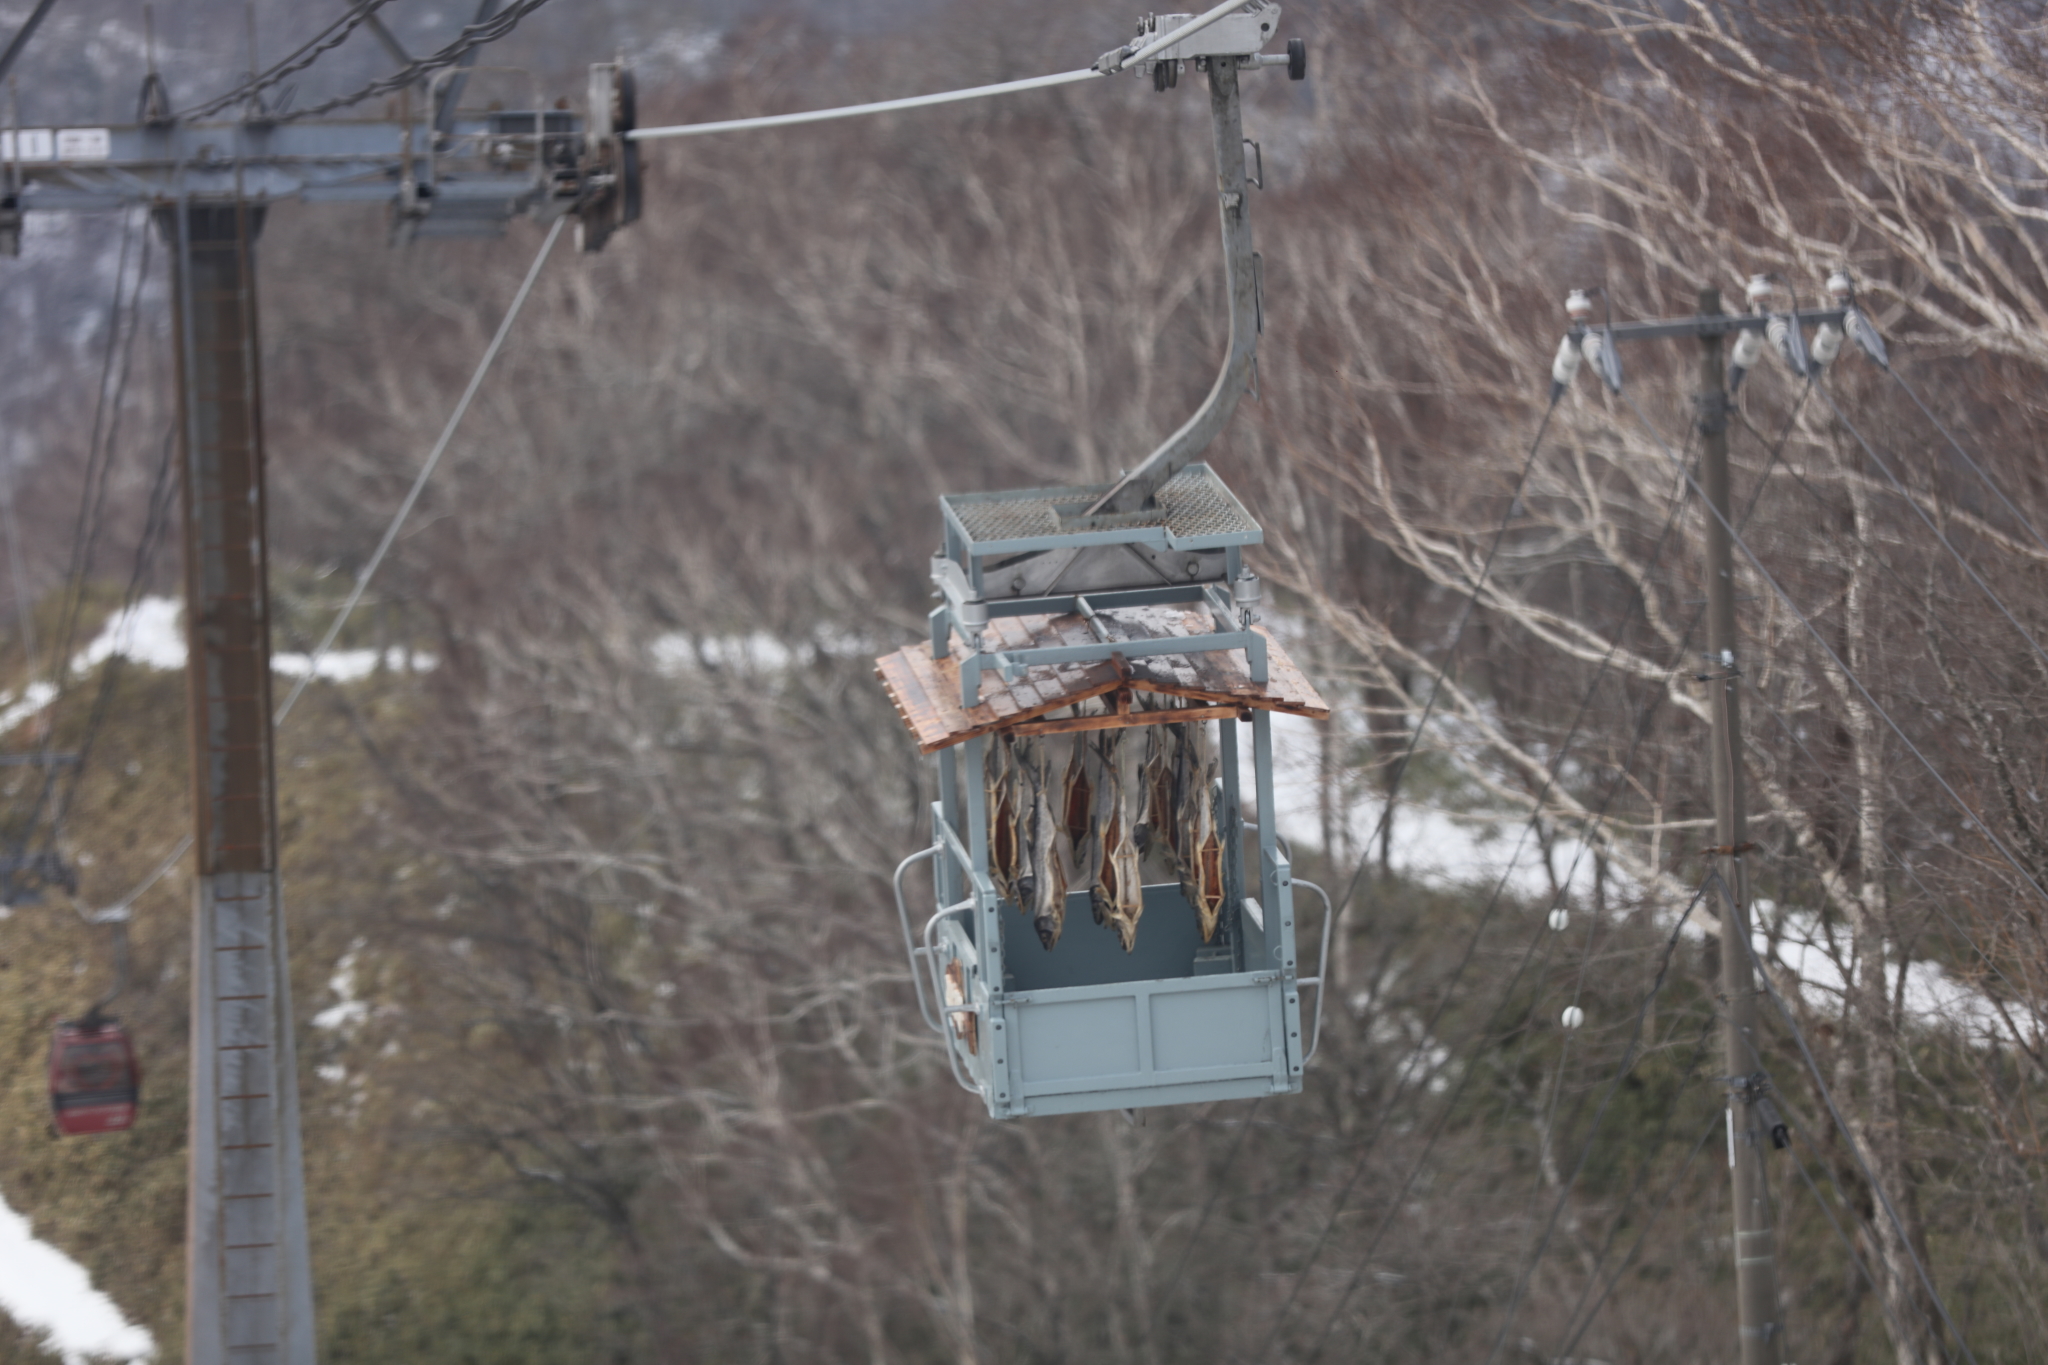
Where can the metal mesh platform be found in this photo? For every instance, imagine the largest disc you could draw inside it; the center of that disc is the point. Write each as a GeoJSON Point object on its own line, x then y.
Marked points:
{"type": "Point", "coordinates": [1194, 505]}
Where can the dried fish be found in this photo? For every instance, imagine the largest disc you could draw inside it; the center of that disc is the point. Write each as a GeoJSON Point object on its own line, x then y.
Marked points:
{"type": "Point", "coordinates": [1106, 829]}
{"type": "Point", "coordinates": [1077, 794]}
{"type": "Point", "coordinates": [1159, 832]}
{"type": "Point", "coordinates": [1005, 852]}
{"type": "Point", "coordinates": [1048, 908]}
{"type": "Point", "coordinates": [1123, 878]}
{"type": "Point", "coordinates": [1201, 844]}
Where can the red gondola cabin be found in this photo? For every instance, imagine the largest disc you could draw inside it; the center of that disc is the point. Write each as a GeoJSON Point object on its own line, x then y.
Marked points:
{"type": "Point", "coordinates": [94, 1079]}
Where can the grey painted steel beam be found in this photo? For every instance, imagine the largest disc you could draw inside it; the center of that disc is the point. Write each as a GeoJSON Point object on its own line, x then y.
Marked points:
{"type": "Point", "coordinates": [1135, 489]}
{"type": "Point", "coordinates": [248, 1277]}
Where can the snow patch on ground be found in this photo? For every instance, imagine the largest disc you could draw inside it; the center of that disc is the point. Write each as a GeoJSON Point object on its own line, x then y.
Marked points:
{"type": "Point", "coordinates": [1432, 846]}
{"type": "Point", "coordinates": [152, 633]}
{"type": "Point", "coordinates": [41, 1287]}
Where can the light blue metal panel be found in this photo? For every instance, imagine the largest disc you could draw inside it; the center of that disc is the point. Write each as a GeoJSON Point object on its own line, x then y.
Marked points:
{"type": "Point", "coordinates": [1074, 1040]}
{"type": "Point", "coordinates": [1228, 1027]}
{"type": "Point", "coordinates": [1091, 954]}
{"type": "Point", "coordinates": [1149, 1097]}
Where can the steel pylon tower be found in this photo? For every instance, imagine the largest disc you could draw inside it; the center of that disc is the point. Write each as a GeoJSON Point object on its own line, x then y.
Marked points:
{"type": "Point", "coordinates": [447, 172]}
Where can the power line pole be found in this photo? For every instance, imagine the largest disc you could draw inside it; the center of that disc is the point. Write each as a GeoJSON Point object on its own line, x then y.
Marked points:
{"type": "Point", "coordinates": [1752, 1115]}
{"type": "Point", "coordinates": [1756, 1263]}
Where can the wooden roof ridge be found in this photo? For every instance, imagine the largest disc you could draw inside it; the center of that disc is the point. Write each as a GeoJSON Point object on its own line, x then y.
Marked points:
{"type": "Point", "coordinates": [1210, 683]}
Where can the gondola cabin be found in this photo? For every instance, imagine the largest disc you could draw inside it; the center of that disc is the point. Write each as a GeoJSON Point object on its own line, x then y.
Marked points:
{"type": "Point", "coordinates": [95, 1082]}
{"type": "Point", "coordinates": [1100, 938]}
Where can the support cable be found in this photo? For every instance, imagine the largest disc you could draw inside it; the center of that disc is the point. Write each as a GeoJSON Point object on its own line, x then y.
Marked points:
{"type": "Point", "coordinates": [1564, 1194]}
{"type": "Point", "coordinates": [1921, 512]}
{"type": "Point", "coordinates": [472, 36]}
{"type": "Point", "coordinates": [1642, 732]}
{"type": "Point", "coordinates": [390, 532]}
{"type": "Point", "coordinates": [307, 53]}
{"type": "Point", "coordinates": [162, 493]}
{"type": "Point", "coordinates": [22, 35]}
{"type": "Point", "coordinates": [1714, 1126]}
{"type": "Point", "coordinates": [1975, 468]}
{"type": "Point", "coordinates": [24, 619]}
{"type": "Point", "coordinates": [419, 483]}
{"type": "Point", "coordinates": [1110, 63]}
{"type": "Point", "coordinates": [98, 453]}
{"type": "Point", "coordinates": [1836, 659]}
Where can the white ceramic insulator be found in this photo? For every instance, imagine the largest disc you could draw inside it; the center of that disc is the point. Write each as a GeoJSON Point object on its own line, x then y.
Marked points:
{"type": "Point", "coordinates": [1780, 333]}
{"type": "Point", "coordinates": [1559, 918]}
{"type": "Point", "coordinates": [1827, 343]}
{"type": "Point", "coordinates": [1566, 367]}
{"type": "Point", "coordinates": [1749, 348]}
{"type": "Point", "coordinates": [1573, 1016]}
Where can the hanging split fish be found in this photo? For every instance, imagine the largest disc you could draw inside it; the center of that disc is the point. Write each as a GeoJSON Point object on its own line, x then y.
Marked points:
{"type": "Point", "coordinates": [1077, 793]}
{"type": "Point", "coordinates": [1123, 878]}
{"type": "Point", "coordinates": [1201, 845]}
{"type": "Point", "coordinates": [1048, 908]}
{"type": "Point", "coordinates": [1161, 824]}
{"type": "Point", "coordinates": [1028, 783]}
{"type": "Point", "coordinates": [1005, 856]}
{"type": "Point", "coordinates": [1104, 827]}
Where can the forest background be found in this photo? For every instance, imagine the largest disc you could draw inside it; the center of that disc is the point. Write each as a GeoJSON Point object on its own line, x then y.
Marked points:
{"type": "Point", "coordinates": [610, 1049]}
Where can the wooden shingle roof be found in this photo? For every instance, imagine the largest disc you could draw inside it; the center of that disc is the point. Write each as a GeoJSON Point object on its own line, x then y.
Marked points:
{"type": "Point", "coordinates": [1206, 683]}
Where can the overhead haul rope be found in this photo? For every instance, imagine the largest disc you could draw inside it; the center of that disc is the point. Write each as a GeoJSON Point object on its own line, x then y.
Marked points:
{"type": "Point", "coordinates": [419, 483]}
{"type": "Point", "coordinates": [1109, 64]}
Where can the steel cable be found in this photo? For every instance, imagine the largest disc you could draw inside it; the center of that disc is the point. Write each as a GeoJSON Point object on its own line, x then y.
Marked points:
{"type": "Point", "coordinates": [1642, 732]}
{"type": "Point", "coordinates": [1921, 512]}
{"type": "Point", "coordinates": [391, 531]}
{"type": "Point", "coordinates": [1836, 659]}
{"type": "Point", "coordinates": [307, 53]}
{"type": "Point", "coordinates": [1975, 468]}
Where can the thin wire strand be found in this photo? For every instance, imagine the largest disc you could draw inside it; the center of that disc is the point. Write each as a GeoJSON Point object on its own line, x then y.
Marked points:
{"type": "Point", "coordinates": [1849, 1137]}
{"type": "Point", "coordinates": [1443, 1002]}
{"type": "Point", "coordinates": [1208, 1206]}
{"type": "Point", "coordinates": [1628, 1059]}
{"type": "Point", "coordinates": [1975, 468]}
{"type": "Point", "coordinates": [1642, 731]}
{"type": "Point", "coordinates": [1836, 659]}
{"type": "Point", "coordinates": [1714, 1126]}
{"type": "Point", "coordinates": [1798, 1127]}
{"type": "Point", "coordinates": [419, 483]}
{"type": "Point", "coordinates": [1921, 512]}
{"type": "Point", "coordinates": [390, 533]}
